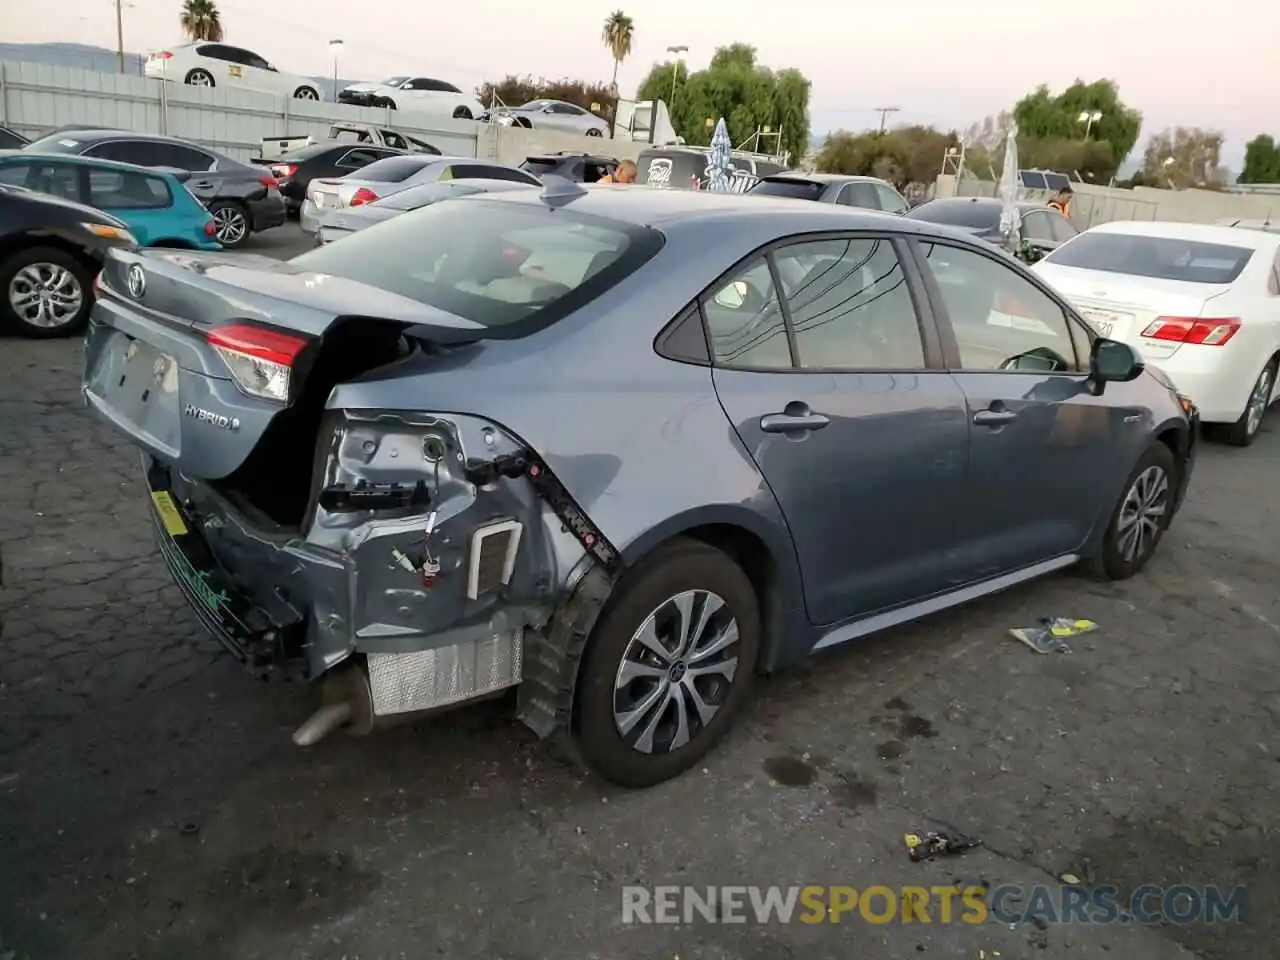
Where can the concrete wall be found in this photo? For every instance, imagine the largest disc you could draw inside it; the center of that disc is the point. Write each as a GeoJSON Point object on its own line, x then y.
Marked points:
{"type": "Point", "coordinates": [1093, 205]}
{"type": "Point", "coordinates": [35, 98]}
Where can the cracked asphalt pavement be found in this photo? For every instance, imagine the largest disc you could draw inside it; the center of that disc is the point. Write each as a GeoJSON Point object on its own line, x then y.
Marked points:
{"type": "Point", "coordinates": [153, 806]}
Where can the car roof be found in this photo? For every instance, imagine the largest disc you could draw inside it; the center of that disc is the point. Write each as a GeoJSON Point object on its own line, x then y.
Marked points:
{"type": "Point", "coordinates": [663, 208]}
{"type": "Point", "coordinates": [95, 134]}
{"type": "Point", "coordinates": [563, 155]}
{"type": "Point", "coordinates": [1023, 205]}
{"type": "Point", "coordinates": [1204, 232]}
{"type": "Point", "coordinates": [822, 177]}
{"type": "Point", "coordinates": [86, 161]}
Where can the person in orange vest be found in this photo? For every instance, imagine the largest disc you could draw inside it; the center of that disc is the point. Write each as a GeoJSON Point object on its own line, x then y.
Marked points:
{"type": "Point", "coordinates": [1061, 200]}
{"type": "Point", "coordinates": [626, 173]}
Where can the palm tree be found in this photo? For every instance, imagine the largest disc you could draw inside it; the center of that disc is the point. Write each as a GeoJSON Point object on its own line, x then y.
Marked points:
{"type": "Point", "coordinates": [200, 20]}
{"type": "Point", "coordinates": [617, 34]}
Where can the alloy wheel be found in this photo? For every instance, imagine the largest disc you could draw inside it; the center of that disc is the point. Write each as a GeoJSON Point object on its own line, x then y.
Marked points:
{"type": "Point", "coordinates": [200, 79]}
{"type": "Point", "coordinates": [231, 225]}
{"type": "Point", "coordinates": [45, 295]}
{"type": "Point", "coordinates": [1258, 401]}
{"type": "Point", "coordinates": [676, 672]}
{"type": "Point", "coordinates": [1142, 513]}
{"type": "Point", "coordinates": [306, 93]}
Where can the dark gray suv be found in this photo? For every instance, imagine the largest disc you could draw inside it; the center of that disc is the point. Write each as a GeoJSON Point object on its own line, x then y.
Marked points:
{"type": "Point", "coordinates": [869, 193]}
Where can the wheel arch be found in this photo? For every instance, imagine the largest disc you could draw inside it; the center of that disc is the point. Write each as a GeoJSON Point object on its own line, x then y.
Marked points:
{"type": "Point", "coordinates": [25, 240]}
{"type": "Point", "coordinates": [765, 554]}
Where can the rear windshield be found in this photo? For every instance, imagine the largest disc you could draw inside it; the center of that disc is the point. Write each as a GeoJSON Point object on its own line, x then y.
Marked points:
{"type": "Point", "coordinates": [314, 150]}
{"type": "Point", "coordinates": [798, 189]}
{"type": "Point", "coordinates": [1160, 258]}
{"type": "Point", "coordinates": [54, 143]}
{"type": "Point", "coordinates": [538, 167]}
{"type": "Point", "coordinates": [393, 169]}
{"type": "Point", "coordinates": [507, 266]}
{"type": "Point", "coordinates": [977, 216]}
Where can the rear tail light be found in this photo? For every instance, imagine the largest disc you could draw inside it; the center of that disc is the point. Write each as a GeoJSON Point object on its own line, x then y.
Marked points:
{"type": "Point", "coordinates": [210, 228]}
{"type": "Point", "coordinates": [284, 170]}
{"type": "Point", "coordinates": [260, 359]}
{"type": "Point", "coordinates": [363, 195]}
{"type": "Point", "coordinates": [1207, 332]}
{"type": "Point", "coordinates": [269, 182]}
{"type": "Point", "coordinates": [162, 55]}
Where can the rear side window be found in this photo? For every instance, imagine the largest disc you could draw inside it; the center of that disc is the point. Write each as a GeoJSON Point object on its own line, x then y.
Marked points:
{"type": "Point", "coordinates": [480, 171]}
{"type": "Point", "coordinates": [860, 194]}
{"type": "Point", "coordinates": [393, 169]}
{"type": "Point", "coordinates": [116, 190]}
{"type": "Point", "coordinates": [509, 267]}
{"type": "Point", "coordinates": [1160, 258]}
{"type": "Point", "coordinates": [1063, 229]}
{"type": "Point", "coordinates": [795, 189]}
{"type": "Point", "coordinates": [890, 201]}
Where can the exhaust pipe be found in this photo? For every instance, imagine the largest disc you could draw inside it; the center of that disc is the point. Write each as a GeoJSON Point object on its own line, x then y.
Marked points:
{"type": "Point", "coordinates": [346, 702]}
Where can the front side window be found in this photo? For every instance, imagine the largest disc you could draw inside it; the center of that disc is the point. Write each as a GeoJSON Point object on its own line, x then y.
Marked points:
{"type": "Point", "coordinates": [850, 306]}
{"type": "Point", "coordinates": [56, 179]}
{"type": "Point", "coordinates": [118, 190]}
{"type": "Point", "coordinates": [508, 268]}
{"type": "Point", "coordinates": [1001, 320]}
{"type": "Point", "coordinates": [1158, 258]}
{"type": "Point", "coordinates": [15, 174]}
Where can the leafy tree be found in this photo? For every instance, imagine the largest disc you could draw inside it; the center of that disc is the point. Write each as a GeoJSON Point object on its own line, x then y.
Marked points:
{"type": "Point", "coordinates": [1183, 157]}
{"type": "Point", "coordinates": [747, 94]}
{"type": "Point", "coordinates": [1261, 161]}
{"type": "Point", "coordinates": [1040, 115]}
{"type": "Point", "coordinates": [200, 20]}
{"type": "Point", "coordinates": [902, 156]}
{"type": "Point", "coordinates": [617, 35]}
{"type": "Point", "coordinates": [514, 90]}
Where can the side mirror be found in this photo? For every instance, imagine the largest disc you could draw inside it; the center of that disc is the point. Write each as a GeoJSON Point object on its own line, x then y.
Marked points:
{"type": "Point", "coordinates": [1114, 362]}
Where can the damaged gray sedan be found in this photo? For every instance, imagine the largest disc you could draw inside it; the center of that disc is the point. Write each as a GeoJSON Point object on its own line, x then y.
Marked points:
{"type": "Point", "coordinates": [620, 450]}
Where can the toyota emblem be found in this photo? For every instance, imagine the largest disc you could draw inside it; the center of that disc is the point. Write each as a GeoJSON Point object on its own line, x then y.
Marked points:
{"type": "Point", "coordinates": [137, 282]}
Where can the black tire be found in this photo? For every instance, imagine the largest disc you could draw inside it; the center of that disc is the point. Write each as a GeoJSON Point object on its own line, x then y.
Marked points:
{"type": "Point", "coordinates": [1244, 431]}
{"type": "Point", "coordinates": [390, 104]}
{"type": "Point", "coordinates": [594, 132]}
{"type": "Point", "coordinates": [80, 269]}
{"type": "Point", "coordinates": [1111, 561]}
{"type": "Point", "coordinates": [222, 210]}
{"type": "Point", "coordinates": [462, 113]}
{"type": "Point", "coordinates": [192, 75]}
{"type": "Point", "coordinates": [306, 93]}
{"type": "Point", "coordinates": [678, 567]}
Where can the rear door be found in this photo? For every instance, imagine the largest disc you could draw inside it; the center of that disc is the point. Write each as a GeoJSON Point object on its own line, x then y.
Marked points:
{"type": "Point", "coordinates": [1042, 447]}
{"type": "Point", "coordinates": [826, 361]}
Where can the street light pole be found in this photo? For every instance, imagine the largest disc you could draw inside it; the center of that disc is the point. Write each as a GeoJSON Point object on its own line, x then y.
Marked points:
{"type": "Point", "coordinates": [678, 50]}
{"type": "Point", "coordinates": [1089, 118]}
{"type": "Point", "coordinates": [120, 35]}
{"type": "Point", "coordinates": [335, 48]}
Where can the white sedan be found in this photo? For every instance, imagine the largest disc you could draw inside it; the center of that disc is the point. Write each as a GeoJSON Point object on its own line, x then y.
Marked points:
{"type": "Point", "coordinates": [419, 94]}
{"type": "Point", "coordinates": [1200, 302]}
{"type": "Point", "coordinates": [222, 65]}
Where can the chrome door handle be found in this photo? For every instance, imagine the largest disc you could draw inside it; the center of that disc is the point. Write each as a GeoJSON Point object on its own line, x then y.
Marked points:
{"type": "Point", "coordinates": [994, 418]}
{"type": "Point", "coordinates": [792, 423]}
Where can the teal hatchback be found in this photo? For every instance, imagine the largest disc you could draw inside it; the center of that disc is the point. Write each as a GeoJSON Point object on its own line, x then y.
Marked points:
{"type": "Point", "coordinates": [152, 201]}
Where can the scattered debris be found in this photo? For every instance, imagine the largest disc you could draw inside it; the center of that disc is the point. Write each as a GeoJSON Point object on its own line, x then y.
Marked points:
{"type": "Point", "coordinates": [1049, 636]}
{"type": "Point", "coordinates": [1071, 879]}
{"type": "Point", "coordinates": [926, 846]}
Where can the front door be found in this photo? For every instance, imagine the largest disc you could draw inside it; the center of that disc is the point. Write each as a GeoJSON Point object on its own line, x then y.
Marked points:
{"type": "Point", "coordinates": [1043, 447]}
{"type": "Point", "coordinates": [836, 389]}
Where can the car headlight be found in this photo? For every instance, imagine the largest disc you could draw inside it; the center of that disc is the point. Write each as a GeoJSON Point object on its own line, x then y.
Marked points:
{"type": "Point", "coordinates": [108, 232]}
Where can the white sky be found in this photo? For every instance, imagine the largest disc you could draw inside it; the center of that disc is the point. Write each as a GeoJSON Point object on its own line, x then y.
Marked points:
{"type": "Point", "coordinates": [942, 62]}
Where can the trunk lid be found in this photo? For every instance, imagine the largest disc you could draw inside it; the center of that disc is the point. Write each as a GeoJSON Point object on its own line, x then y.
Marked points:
{"type": "Point", "coordinates": [1120, 306]}
{"type": "Point", "coordinates": [153, 371]}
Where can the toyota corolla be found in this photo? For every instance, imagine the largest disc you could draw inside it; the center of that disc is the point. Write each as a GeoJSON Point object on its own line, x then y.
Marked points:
{"type": "Point", "coordinates": [622, 450]}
